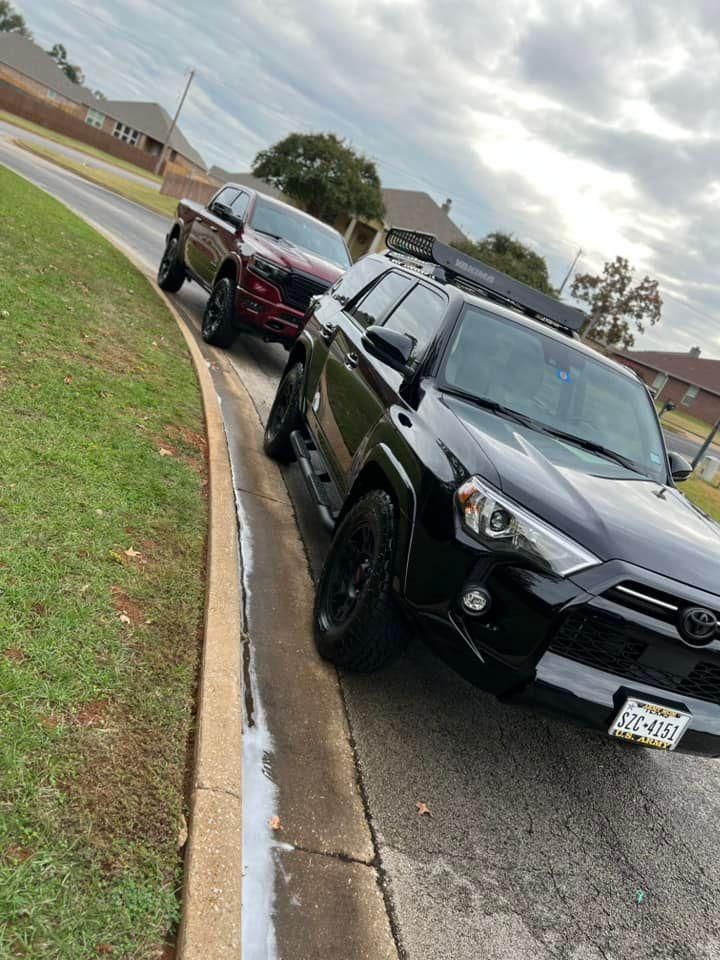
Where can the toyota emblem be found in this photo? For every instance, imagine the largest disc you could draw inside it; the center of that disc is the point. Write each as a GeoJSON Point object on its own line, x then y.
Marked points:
{"type": "Point", "coordinates": [697, 626]}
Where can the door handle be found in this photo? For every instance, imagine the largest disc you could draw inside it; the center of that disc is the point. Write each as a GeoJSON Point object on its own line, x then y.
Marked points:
{"type": "Point", "coordinates": [328, 331]}
{"type": "Point", "coordinates": [199, 220]}
{"type": "Point", "coordinates": [351, 360]}
{"type": "Point", "coordinates": [213, 228]}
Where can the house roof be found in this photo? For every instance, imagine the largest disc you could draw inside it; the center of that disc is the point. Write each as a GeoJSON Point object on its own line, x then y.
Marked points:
{"type": "Point", "coordinates": [697, 371]}
{"type": "Point", "coordinates": [151, 119]}
{"type": "Point", "coordinates": [415, 210]}
{"type": "Point", "coordinates": [27, 57]}
{"type": "Point", "coordinates": [247, 180]}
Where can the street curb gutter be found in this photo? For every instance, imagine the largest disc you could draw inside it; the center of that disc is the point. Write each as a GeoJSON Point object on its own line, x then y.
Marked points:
{"type": "Point", "coordinates": [211, 928]}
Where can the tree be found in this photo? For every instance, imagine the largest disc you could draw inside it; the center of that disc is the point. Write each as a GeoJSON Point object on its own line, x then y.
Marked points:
{"type": "Point", "coordinates": [506, 253]}
{"type": "Point", "coordinates": [71, 70]}
{"type": "Point", "coordinates": [615, 306]}
{"type": "Point", "coordinates": [99, 95]}
{"type": "Point", "coordinates": [11, 21]}
{"type": "Point", "coordinates": [323, 174]}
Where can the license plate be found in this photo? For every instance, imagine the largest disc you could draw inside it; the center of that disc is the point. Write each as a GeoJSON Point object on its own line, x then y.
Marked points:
{"type": "Point", "coordinates": [650, 724]}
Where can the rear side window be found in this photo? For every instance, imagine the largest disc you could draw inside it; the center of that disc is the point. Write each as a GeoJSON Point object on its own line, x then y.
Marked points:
{"type": "Point", "coordinates": [356, 279]}
{"type": "Point", "coordinates": [420, 316]}
{"type": "Point", "coordinates": [380, 299]}
{"type": "Point", "coordinates": [226, 196]}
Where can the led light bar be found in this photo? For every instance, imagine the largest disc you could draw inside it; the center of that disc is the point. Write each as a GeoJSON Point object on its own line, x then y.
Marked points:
{"type": "Point", "coordinates": [427, 248]}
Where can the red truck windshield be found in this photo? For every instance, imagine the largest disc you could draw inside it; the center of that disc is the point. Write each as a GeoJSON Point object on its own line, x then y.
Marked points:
{"type": "Point", "coordinates": [296, 228]}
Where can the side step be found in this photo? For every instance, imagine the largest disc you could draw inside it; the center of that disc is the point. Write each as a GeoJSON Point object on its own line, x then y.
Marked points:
{"type": "Point", "coordinates": [318, 488]}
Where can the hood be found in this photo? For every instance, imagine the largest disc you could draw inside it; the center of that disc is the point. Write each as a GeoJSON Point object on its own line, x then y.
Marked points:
{"type": "Point", "coordinates": [615, 513]}
{"type": "Point", "coordinates": [292, 257]}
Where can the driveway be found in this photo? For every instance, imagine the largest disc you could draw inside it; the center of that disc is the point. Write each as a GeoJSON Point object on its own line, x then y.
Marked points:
{"type": "Point", "coordinates": [545, 843]}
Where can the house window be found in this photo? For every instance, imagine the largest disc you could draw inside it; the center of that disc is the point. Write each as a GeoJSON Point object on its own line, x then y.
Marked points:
{"type": "Point", "coordinates": [689, 396]}
{"type": "Point", "coordinates": [125, 133]}
{"type": "Point", "coordinates": [95, 118]}
{"type": "Point", "coordinates": [659, 382]}
{"type": "Point", "coordinates": [51, 95]}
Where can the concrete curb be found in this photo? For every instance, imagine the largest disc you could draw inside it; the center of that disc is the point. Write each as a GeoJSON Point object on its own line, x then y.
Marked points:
{"type": "Point", "coordinates": [211, 927]}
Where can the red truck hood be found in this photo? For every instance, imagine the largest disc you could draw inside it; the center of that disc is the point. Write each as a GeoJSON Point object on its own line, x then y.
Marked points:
{"type": "Point", "coordinates": [287, 255]}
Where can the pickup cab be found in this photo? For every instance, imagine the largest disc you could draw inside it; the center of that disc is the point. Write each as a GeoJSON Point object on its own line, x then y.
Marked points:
{"type": "Point", "coordinates": [260, 260]}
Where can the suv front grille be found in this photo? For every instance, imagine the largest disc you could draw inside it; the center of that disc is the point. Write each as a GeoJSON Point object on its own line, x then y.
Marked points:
{"type": "Point", "coordinates": [297, 290]}
{"type": "Point", "coordinates": [598, 642]}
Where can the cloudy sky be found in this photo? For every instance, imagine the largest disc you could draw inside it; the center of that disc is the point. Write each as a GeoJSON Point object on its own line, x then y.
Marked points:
{"type": "Point", "coordinates": [571, 123]}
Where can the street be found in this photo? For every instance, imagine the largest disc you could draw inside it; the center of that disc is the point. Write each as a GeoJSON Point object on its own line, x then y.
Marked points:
{"type": "Point", "coordinates": [544, 841]}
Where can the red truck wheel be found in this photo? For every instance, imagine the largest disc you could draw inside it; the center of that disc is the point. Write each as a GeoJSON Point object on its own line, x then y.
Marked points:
{"type": "Point", "coordinates": [218, 323]}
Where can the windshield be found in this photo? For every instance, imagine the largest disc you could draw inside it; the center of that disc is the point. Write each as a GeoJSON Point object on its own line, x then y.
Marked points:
{"type": "Point", "coordinates": [559, 387]}
{"type": "Point", "coordinates": [300, 230]}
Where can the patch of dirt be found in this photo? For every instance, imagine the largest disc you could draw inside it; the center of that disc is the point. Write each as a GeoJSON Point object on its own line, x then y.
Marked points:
{"type": "Point", "coordinates": [15, 654]}
{"type": "Point", "coordinates": [91, 714]}
{"type": "Point", "coordinates": [189, 437]}
{"type": "Point", "coordinates": [16, 854]}
{"type": "Point", "coordinates": [124, 606]}
{"type": "Point", "coordinates": [39, 609]}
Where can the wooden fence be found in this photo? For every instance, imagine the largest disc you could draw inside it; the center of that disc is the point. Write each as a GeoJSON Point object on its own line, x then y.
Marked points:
{"type": "Point", "coordinates": [188, 188]}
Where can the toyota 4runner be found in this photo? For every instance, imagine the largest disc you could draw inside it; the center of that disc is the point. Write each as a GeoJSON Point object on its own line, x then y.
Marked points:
{"type": "Point", "coordinates": [488, 476]}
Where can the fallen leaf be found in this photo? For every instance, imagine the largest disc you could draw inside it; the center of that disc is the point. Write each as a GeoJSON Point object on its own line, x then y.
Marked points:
{"type": "Point", "coordinates": [103, 949]}
{"type": "Point", "coordinates": [131, 553]}
{"type": "Point", "coordinates": [423, 809]}
{"type": "Point", "coordinates": [84, 588]}
{"type": "Point", "coordinates": [123, 617]}
{"type": "Point", "coordinates": [182, 833]}
{"type": "Point", "coordinates": [274, 823]}
{"type": "Point", "coordinates": [99, 512]}
{"type": "Point", "coordinates": [67, 380]}
{"type": "Point", "coordinates": [165, 453]}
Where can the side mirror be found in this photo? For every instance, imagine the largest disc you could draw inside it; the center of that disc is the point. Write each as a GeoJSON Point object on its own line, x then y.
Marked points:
{"type": "Point", "coordinates": [225, 213]}
{"type": "Point", "coordinates": [680, 469]}
{"type": "Point", "coordinates": [393, 348]}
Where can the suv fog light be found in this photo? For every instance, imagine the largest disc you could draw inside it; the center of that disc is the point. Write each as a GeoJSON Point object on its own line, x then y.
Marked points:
{"type": "Point", "coordinates": [475, 601]}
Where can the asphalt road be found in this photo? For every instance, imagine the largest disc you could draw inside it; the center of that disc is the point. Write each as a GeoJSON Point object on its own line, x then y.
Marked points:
{"type": "Point", "coordinates": [543, 839]}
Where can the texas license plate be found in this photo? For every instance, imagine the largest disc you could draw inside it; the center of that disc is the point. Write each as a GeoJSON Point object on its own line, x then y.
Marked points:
{"type": "Point", "coordinates": [650, 724]}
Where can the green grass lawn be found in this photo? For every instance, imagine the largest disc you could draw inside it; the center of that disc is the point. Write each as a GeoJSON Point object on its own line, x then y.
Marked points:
{"type": "Point", "coordinates": [77, 145]}
{"type": "Point", "coordinates": [103, 520]}
{"type": "Point", "coordinates": [129, 189]}
{"type": "Point", "coordinates": [703, 494]}
{"type": "Point", "coordinates": [680, 420]}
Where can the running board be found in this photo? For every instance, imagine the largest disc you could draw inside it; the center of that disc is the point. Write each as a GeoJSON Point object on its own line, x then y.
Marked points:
{"type": "Point", "coordinates": [314, 484]}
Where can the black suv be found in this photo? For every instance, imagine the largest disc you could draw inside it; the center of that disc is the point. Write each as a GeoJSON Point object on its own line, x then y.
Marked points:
{"type": "Point", "coordinates": [493, 479]}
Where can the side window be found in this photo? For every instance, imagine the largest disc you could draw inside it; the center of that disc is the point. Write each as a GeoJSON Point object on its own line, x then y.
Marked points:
{"type": "Point", "coordinates": [420, 316]}
{"type": "Point", "coordinates": [226, 196]}
{"type": "Point", "coordinates": [359, 276]}
{"type": "Point", "coordinates": [373, 307]}
{"type": "Point", "coordinates": [240, 205]}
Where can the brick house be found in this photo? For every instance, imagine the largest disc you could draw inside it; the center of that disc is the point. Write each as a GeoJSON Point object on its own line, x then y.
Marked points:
{"type": "Point", "coordinates": [692, 382]}
{"type": "Point", "coordinates": [144, 125]}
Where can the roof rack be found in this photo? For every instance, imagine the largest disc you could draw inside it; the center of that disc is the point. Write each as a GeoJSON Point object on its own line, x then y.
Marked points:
{"type": "Point", "coordinates": [475, 275]}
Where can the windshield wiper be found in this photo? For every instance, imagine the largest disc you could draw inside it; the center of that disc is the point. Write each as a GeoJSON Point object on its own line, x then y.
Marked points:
{"type": "Point", "coordinates": [593, 447]}
{"type": "Point", "coordinates": [267, 233]}
{"type": "Point", "coordinates": [494, 407]}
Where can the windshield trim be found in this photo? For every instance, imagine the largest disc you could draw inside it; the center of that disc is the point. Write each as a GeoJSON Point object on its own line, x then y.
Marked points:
{"type": "Point", "coordinates": [446, 387]}
{"type": "Point", "coordinates": [289, 212]}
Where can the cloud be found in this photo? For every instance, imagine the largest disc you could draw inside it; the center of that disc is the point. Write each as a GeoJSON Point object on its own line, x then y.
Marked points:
{"type": "Point", "coordinates": [572, 123]}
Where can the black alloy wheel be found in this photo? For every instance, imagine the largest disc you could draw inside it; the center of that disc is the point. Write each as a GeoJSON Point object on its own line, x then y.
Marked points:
{"type": "Point", "coordinates": [171, 273]}
{"type": "Point", "coordinates": [357, 623]}
{"type": "Point", "coordinates": [284, 416]}
{"type": "Point", "coordinates": [218, 323]}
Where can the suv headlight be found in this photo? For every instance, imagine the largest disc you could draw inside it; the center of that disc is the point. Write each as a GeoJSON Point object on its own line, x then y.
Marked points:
{"type": "Point", "coordinates": [266, 269]}
{"type": "Point", "coordinates": [500, 524]}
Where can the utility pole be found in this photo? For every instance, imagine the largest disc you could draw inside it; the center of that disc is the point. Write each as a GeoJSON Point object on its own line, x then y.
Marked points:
{"type": "Point", "coordinates": [570, 271]}
{"type": "Point", "coordinates": [174, 122]}
{"type": "Point", "coordinates": [704, 448]}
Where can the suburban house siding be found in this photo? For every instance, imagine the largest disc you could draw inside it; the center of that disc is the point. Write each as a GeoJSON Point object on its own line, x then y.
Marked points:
{"type": "Point", "coordinates": [39, 90]}
{"type": "Point", "coordinates": [666, 385]}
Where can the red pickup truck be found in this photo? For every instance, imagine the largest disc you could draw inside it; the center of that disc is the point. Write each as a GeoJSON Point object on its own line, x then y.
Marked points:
{"type": "Point", "coordinates": [260, 260]}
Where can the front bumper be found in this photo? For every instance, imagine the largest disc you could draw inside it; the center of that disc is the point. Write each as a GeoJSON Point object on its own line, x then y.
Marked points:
{"type": "Point", "coordinates": [567, 647]}
{"type": "Point", "coordinates": [258, 310]}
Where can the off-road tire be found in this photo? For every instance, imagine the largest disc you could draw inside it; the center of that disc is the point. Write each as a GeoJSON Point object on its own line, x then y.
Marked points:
{"type": "Point", "coordinates": [218, 322]}
{"type": "Point", "coordinates": [171, 272]}
{"type": "Point", "coordinates": [375, 631]}
{"type": "Point", "coordinates": [284, 416]}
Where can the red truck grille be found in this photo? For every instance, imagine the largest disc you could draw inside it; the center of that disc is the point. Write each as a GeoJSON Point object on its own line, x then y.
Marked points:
{"type": "Point", "coordinates": [298, 288]}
